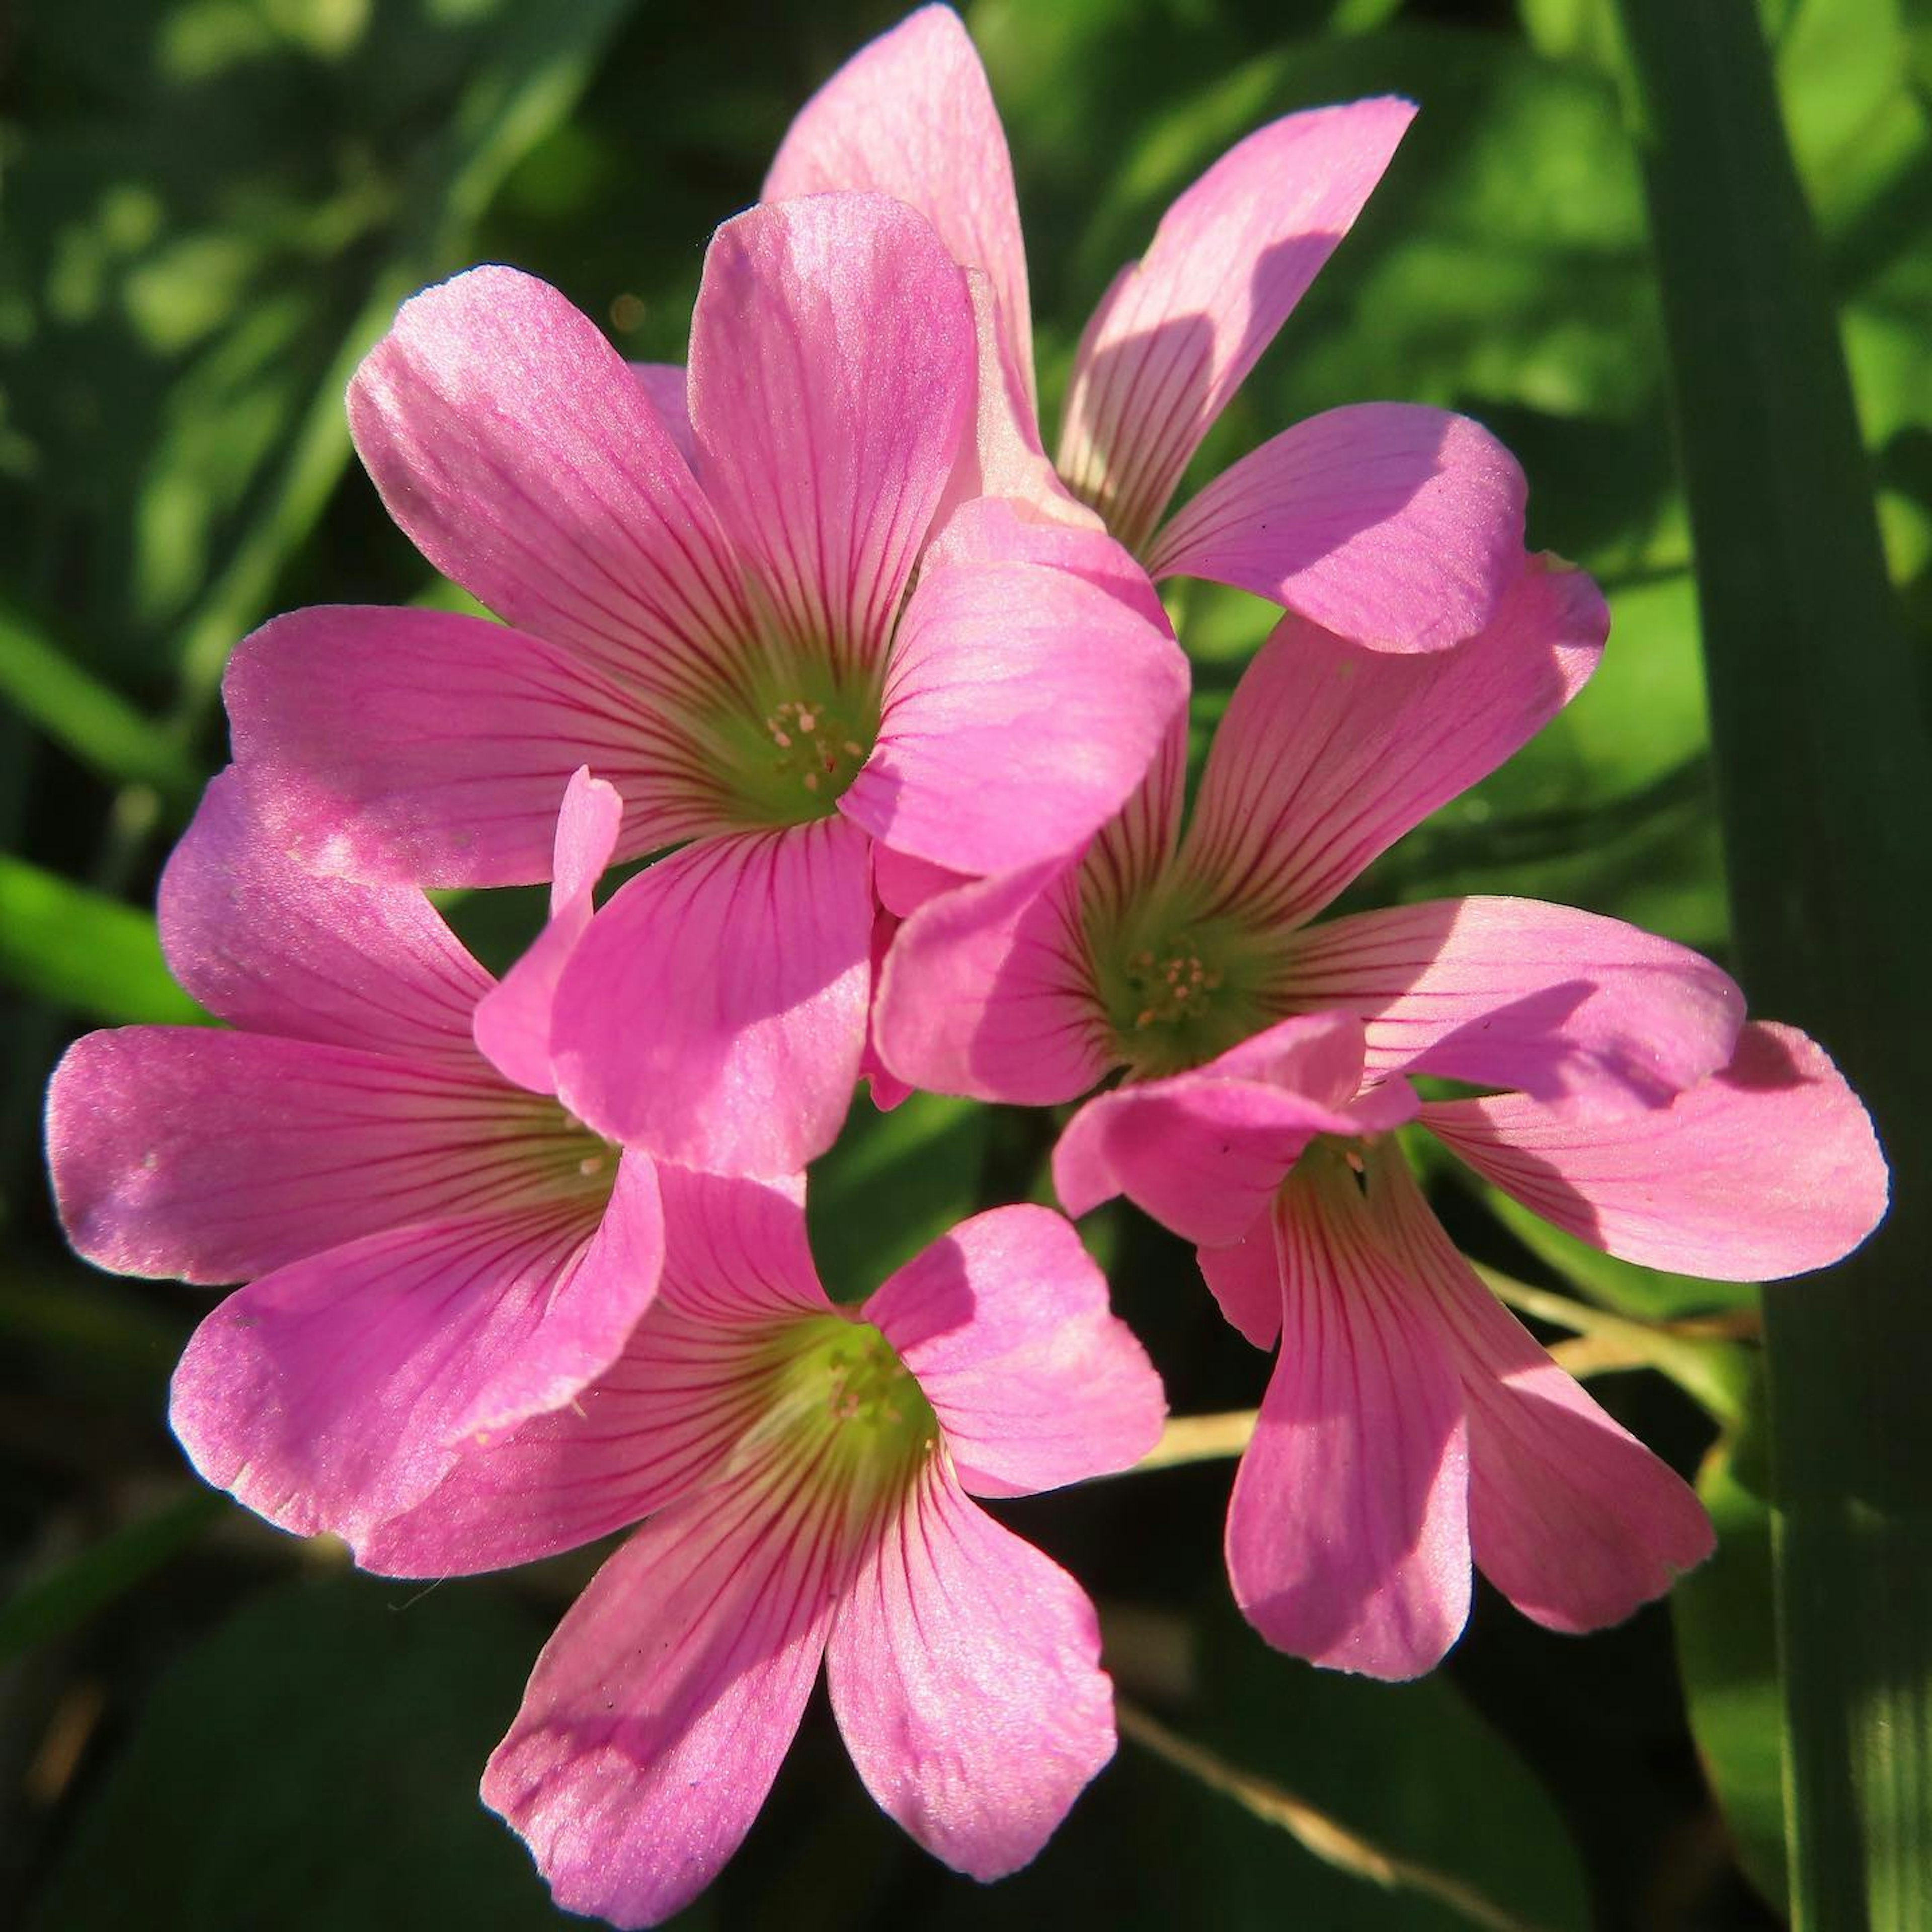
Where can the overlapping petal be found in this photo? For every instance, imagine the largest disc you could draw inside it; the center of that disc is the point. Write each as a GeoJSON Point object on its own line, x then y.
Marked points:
{"type": "Point", "coordinates": [337, 1392]}
{"type": "Point", "coordinates": [1396, 526]}
{"type": "Point", "coordinates": [429, 747]}
{"type": "Point", "coordinates": [1005, 1324]}
{"type": "Point", "coordinates": [831, 381]}
{"type": "Point", "coordinates": [1768, 1168]}
{"type": "Point", "coordinates": [964, 1669]}
{"type": "Point", "coordinates": [1329, 752]}
{"type": "Point", "coordinates": [525, 460]}
{"type": "Point", "coordinates": [715, 1012]}
{"type": "Point", "coordinates": [1174, 336]}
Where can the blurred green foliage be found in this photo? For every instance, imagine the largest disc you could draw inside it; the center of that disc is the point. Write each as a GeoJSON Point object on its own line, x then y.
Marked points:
{"type": "Point", "coordinates": [212, 208]}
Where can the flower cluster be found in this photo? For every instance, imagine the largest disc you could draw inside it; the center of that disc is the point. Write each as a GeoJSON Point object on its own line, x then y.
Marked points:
{"type": "Point", "coordinates": [891, 703]}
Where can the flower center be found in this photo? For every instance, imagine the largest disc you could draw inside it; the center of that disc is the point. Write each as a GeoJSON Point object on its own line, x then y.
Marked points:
{"type": "Point", "coordinates": [788, 751]}
{"type": "Point", "coordinates": [1179, 991]}
{"type": "Point", "coordinates": [842, 1395]}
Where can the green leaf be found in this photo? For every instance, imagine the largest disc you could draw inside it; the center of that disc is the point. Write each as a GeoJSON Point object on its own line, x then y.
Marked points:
{"type": "Point", "coordinates": [73, 948]}
{"type": "Point", "coordinates": [311, 1765]}
{"type": "Point", "coordinates": [1824, 765]}
{"type": "Point", "coordinates": [45, 685]}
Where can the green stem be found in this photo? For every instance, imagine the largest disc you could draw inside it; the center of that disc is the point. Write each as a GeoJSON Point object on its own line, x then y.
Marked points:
{"type": "Point", "coordinates": [1825, 782]}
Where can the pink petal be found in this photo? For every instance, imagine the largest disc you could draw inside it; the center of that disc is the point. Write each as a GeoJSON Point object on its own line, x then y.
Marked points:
{"type": "Point", "coordinates": [715, 1012]}
{"type": "Point", "coordinates": [512, 1024]}
{"type": "Point", "coordinates": [1174, 336]}
{"type": "Point", "coordinates": [964, 1668]}
{"type": "Point", "coordinates": [663, 386]}
{"type": "Point", "coordinates": [1022, 707]}
{"type": "Point", "coordinates": [1767, 1168]}
{"type": "Point", "coordinates": [214, 1155]}
{"type": "Point", "coordinates": [690, 1386]}
{"type": "Point", "coordinates": [910, 115]}
{"type": "Point", "coordinates": [525, 461]}
{"type": "Point", "coordinates": [1513, 993]}
{"type": "Point", "coordinates": [338, 1391]}
{"type": "Point", "coordinates": [1245, 1279]}
{"type": "Point", "coordinates": [831, 382]}
{"type": "Point", "coordinates": [1348, 1537]}
{"type": "Point", "coordinates": [888, 1089]}
{"type": "Point", "coordinates": [1203, 1152]}
{"type": "Point", "coordinates": [1329, 752]}
{"type": "Point", "coordinates": [904, 884]}
{"type": "Point", "coordinates": [422, 746]}
{"type": "Point", "coordinates": [270, 948]}
{"type": "Point", "coordinates": [1005, 1324]}
{"type": "Point", "coordinates": [993, 529]}
{"type": "Point", "coordinates": [659, 1713]}
{"type": "Point", "coordinates": [1399, 526]}
{"type": "Point", "coordinates": [1571, 1517]}
{"type": "Point", "coordinates": [988, 992]}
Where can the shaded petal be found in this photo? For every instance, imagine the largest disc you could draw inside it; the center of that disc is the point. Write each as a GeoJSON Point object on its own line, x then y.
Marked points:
{"type": "Point", "coordinates": [1245, 1279]}
{"type": "Point", "coordinates": [424, 746]}
{"type": "Point", "coordinates": [269, 947]}
{"type": "Point", "coordinates": [1023, 706]}
{"type": "Point", "coordinates": [663, 386]}
{"type": "Point", "coordinates": [1174, 336]}
{"type": "Point", "coordinates": [1005, 1324]}
{"type": "Point", "coordinates": [659, 1713]}
{"type": "Point", "coordinates": [1769, 1168]}
{"type": "Point", "coordinates": [1202, 1152]}
{"type": "Point", "coordinates": [214, 1156]}
{"type": "Point", "coordinates": [1348, 1533]}
{"type": "Point", "coordinates": [512, 1024]}
{"type": "Point", "coordinates": [910, 115]}
{"type": "Point", "coordinates": [715, 1012]}
{"type": "Point", "coordinates": [888, 1089]}
{"type": "Point", "coordinates": [1513, 993]}
{"type": "Point", "coordinates": [1329, 752]}
{"type": "Point", "coordinates": [831, 382]}
{"type": "Point", "coordinates": [525, 461]}
{"type": "Point", "coordinates": [692, 1382]}
{"type": "Point", "coordinates": [1571, 1517]}
{"type": "Point", "coordinates": [1396, 526]}
{"type": "Point", "coordinates": [904, 883]}
{"type": "Point", "coordinates": [338, 1391]}
{"type": "Point", "coordinates": [964, 1668]}
{"type": "Point", "coordinates": [988, 992]}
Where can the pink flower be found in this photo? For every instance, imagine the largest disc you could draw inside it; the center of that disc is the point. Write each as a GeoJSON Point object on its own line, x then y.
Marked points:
{"type": "Point", "coordinates": [1411, 1425]}
{"type": "Point", "coordinates": [1396, 524]}
{"type": "Point", "coordinates": [807, 1473]}
{"type": "Point", "coordinates": [719, 613]}
{"type": "Point", "coordinates": [432, 1245]}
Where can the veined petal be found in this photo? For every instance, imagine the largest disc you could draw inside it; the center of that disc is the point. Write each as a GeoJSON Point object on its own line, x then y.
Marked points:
{"type": "Point", "coordinates": [1004, 1323]}
{"type": "Point", "coordinates": [988, 992]}
{"type": "Point", "coordinates": [1571, 1517]}
{"type": "Point", "coordinates": [525, 461]}
{"type": "Point", "coordinates": [659, 1713]}
{"type": "Point", "coordinates": [1512, 993]}
{"type": "Point", "coordinates": [1768, 1168]}
{"type": "Point", "coordinates": [337, 1392]}
{"type": "Point", "coordinates": [1022, 707]}
{"type": "Point", "coordinates": [424, 746]}
{"type": "Point", "coordinates": [1348, 1533]}
{"type": "Point", "coordinates": [664, 1418]}
{"type": "Point", "coordinates": [910, 115]}
{"type": "Point", "coordinates": [831, 381]}
{"type": "Point", "coordinates": [1174, 336]}
{"type": "Point", "coordinates": [1245, 1279]}
{"type": "Point", "coordinates": [964, 1668]}
{"type": "Point", "coordinates": [214, 1155]}
{"type": "Point", "coordinates": [715, 1012]}
{"type": "Point", "coordinates": [512, 1024]}
{"type": "Point", "coordinates": [1396, 526]}
{"type": "Point", "coordinates": [663, 386]}
{"type": "Point", "coordinates": [271, 948]}
{"type": "Point", "coordinates": [1203, 1152]}
{"type": "Point", "coordinates": [1329, 752]}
